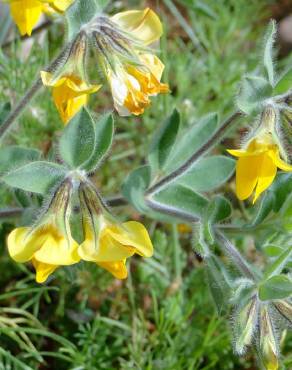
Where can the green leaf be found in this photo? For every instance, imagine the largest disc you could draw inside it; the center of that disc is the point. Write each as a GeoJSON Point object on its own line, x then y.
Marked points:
{"type": "Point", "coordinates": [268, 51]}
{"type": "Point", "coordinates": [15, 156]}
{"type": "Point", "coordinates": [281, 188]}
{"type": "Point", "coordinates": [182, 198]}
{"type": "Point", "coordinates": [5, 109]}
{"type": "Point", "coordinates": [284, 83]}
{"type": "Point", "coordinates": [104, 132]}
{"type": "Point", "coordinates": [286, 214]}
{"type": "Point", "coordinates": [163, 141]}
{"type": "Point", "coordinates": [254, 91]}
{"type": "Point", "coordinates": [265, 207]}
{"type": "Point", "coordinates": [82, 12]}
{"type": "Point", "coordinates": [279, 264]}
{"type": "Point", "coordinates": [277, 287]}
{"type": "Point", "coordinates": [77, 141]}
{"type": "Point", "coordinates": [36, 177]}
{"type": "Point", "coordinates": [191, 140]}
{"type": "Point", "coordinates": [218, 281]}
{"type": "Point", "coordinates": [272, 250]}
{"type": "Point", "coordinates": [208, 173]}
{"type": "Point", "coordinates": [135, 186]}
{"type": "Point", "coordinates": [219, 209]}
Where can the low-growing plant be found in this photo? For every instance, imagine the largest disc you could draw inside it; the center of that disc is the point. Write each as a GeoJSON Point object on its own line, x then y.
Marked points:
{"type": "Point", "coordinates": [74, 226]}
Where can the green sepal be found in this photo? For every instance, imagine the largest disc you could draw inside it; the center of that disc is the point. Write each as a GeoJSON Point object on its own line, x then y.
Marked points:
{"type": "Point", "coordinates": [276, 287]}
{"type": "Point", "coordinates": [81, 12]}
{"type": "Point", "coordinates": [163, 140]}
{"type": "Point", "coordinates": [208, 173]}
{"type": "Point", "coordinates": [15, 156]}
{"type": "Point", "coordinates": [191, 140]}
{"type": "Point", "coordinates": [253, 93]}
{"type": "Point", "coordinates": [103, 138]}
{"type": "Point", "coordinates": [36, 177]}
{"type": "Point", "coordinates": [135, 185]}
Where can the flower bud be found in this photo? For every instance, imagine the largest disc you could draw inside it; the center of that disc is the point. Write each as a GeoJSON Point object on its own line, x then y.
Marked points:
{"type": "Point", "coordinates": [285, 309]}
{"type": "Point", "coordinates": [70, 85]}
{"type": "Point", "coordinates": [245, 324]}
{"type": "Point", "coordinates": [268, 342]}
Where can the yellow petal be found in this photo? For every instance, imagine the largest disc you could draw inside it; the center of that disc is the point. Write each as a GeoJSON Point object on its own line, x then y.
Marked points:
{"type": "Point", "coordinates": [280, 163]}
{"type": "Point", "coordinates": [57, 250]}
{"type": "Point", "coordinates": [61, 5]}
{"type": "Point", "coordinates": [26, 14]}
{"type": "Point", "coordinates": [238, 152]}
{"type": "Point", "coordinates": [107, 250]}
{"type": "Point", "coordinates": [266, 175]}
{"type": "Point", "coordinates": [43, 270]}
{"type": "Point", "coordinates": [22, 243]}
{"type": "Point", "coordinates": [117, 269]}
{"type": "Point", "coordinates": [144, 24]}
{"type": "Point", "coordinates": [154, 64]}
{"type": "Point", "coordinates": [133, 234]}
{"type": "Point", "coordinates": [246, 175]}
{"type": "Point", "coordinates": [70, 94]}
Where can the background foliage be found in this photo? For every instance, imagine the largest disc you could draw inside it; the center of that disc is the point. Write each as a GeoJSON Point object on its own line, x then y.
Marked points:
{"type": "Point", "coordinates": [162, 316]}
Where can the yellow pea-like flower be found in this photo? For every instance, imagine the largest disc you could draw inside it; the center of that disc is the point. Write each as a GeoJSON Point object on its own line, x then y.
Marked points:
{"type": "Point", "coordinates": [257, 166]}
{"type": "Point", "coordinates": [113, 244]}
{"type": "Point", "coordinates": [70, 93]}
{"type": "Point", "coordinates": [46, 247]}
{"type": "Point", "coordinates": [26, 13]}
{"type": "Point", "coordinates": [135, 76]}
{"type": "Point", "coordinates": [132, 86]}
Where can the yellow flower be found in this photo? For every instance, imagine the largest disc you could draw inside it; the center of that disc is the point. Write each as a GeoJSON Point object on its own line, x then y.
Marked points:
{"type": "Point", "coordinates": [257, 165]}
{"type": "Point", "coordinates": [26, 13]}
{"type": "Point", "coordinates": [46, 246]}
{"type": "Point", "coordinates": [132, 82]}
{"type": "Point", "coordinates": [132, 86]}
{"type": "Point", "coordinates": [70, 93]}
{"type": "Point", "coordinates": [109, 245]}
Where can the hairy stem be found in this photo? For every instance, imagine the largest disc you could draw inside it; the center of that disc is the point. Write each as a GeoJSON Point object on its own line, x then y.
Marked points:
{"type": "Point", "coordinates": [232, 252]}
{"type": "Point", "coordinates": [197, 155]}
{"type": "Point", "coordinates": [170, 211]}
{"type": "Point", "coordinates": [36, 86]}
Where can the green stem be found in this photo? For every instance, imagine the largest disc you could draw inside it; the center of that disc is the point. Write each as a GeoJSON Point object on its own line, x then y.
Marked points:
{"type": "Point", "coordinates": [233, 253]}
{"type": "Point", "coordinates": [176, 251]}
{"type": "Point", "coordinates": [197, 155]}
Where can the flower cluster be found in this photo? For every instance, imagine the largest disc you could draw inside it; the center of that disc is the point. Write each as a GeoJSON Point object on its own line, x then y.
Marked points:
{"type": "Point", "coordinates": [49, 244]}
{"type": "Point", "coordinates": [121, 44]}
{"type": "Point", "coordinates": [256, 322]}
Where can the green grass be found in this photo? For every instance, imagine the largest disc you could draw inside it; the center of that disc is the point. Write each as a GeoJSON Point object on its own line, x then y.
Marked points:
{"type": "Point", "coordinates": [162, 317]}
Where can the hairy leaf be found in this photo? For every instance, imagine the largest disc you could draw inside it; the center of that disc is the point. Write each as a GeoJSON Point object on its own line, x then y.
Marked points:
{"type": "Point", "coordinates": [208, 173]}
{"type": "Point", "coordinates": [36, 177]}
{"type": "Point", "coordinates": [163, 141]}
{"type": "Point", "coordinates": [77, 141]}
{"type": "Point", "coordinates": [276, 287]}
